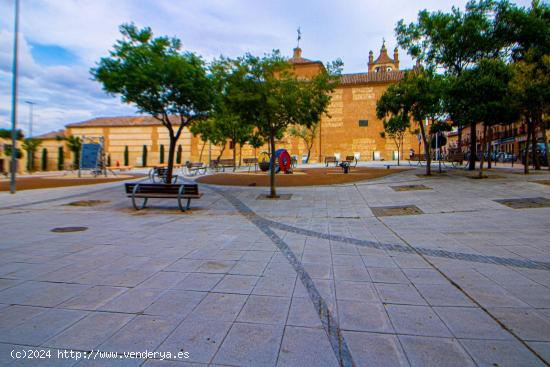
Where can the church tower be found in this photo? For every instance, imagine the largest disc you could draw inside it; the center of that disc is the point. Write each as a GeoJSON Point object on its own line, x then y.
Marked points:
{"type": "Point", "coordinates": [384, 63]}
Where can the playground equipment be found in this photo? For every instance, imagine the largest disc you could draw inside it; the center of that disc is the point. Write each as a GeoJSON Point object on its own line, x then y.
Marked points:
{"type": "Point", "coordinates": [283, 161]}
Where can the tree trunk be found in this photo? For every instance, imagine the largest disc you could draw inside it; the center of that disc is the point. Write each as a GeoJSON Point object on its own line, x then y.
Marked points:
{"type": "Point", "coordinates": [234, 156]}
{"type": "Point", "coordinates": [490, 148]}
{"type": "Point", "coordinates": [240, 154]}
{"type": "Point", "coordinates": [221, 153]}
{"type": "Point", "coordinates": [473, 147]}
{"type": "Point", "coordinates": [536, 161]}
{"type": "Point", "coordinates": [483, 148]}
{"type": "Point", "coordinates": [426, 149]}
{"type": "Point", "coordinates": [202, 150]}
{"type": "Point", "coordinates": [526, 148]}
{"type": "Point", "coordinates": [171, 153]}
{"type": "Point", "coordinates": [459, 139]}
{"type": "Point", "coordinates": [545, 137]}
{"type": "Point", "coordinates": [272, 190]}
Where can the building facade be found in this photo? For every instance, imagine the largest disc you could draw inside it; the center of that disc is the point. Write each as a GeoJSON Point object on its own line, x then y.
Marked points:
{"type": "Point", "coordinates": [350, 127]}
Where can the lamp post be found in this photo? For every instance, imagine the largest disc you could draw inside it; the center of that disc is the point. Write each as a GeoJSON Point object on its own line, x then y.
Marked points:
{"type": "Point", "coordinates": [14, 101]}
{"type": "Point", "coordinates": [31, 104]}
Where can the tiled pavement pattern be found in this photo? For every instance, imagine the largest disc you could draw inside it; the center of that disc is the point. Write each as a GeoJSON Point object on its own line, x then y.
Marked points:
{"type": "Point", "coordinates": [232, 281]}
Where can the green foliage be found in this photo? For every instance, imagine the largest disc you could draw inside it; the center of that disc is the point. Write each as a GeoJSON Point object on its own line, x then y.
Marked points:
{"type": "Point", "coordinates": [307, 134]}
{"type": "Point", "coordinates": [160, 80]}
{"type": "Point", "coordinates": [482, 94]}
{"type": "Point", "coordinates": [144, 156]}
{"type": "Point", "coordinates": [256, 141]}
{"type": "Point", "coordinates": [30, 145]}
{"type": "Point", "coordinates": [8, 152]}
{"type": "Point", "coordinates": [44, 165]}
{"type": "Point", "coordinates": [161, 154]}
{"type": "Point", "coordinates": [60, 158]}
{"type": "Point", "coordinates": [74, 143]}
{"type": "Point", "coordinates": [454, 40]}
{"type": "Point", "coordinates": [178, 154]}
{"type": "Point", "coordinates": [6, 134]}
{"type": "Point", "coordinates": [126, 156]}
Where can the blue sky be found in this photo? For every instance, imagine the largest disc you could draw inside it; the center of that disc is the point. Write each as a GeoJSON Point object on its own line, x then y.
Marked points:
{"type": "Point", "coordinates": [61, 39]}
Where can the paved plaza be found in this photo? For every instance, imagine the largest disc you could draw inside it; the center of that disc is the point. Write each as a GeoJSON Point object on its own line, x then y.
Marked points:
{"type": "Point", "coordinates": [399, 271]}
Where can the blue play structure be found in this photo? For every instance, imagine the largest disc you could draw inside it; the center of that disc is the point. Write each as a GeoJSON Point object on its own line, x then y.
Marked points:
{"type": "Point", "coordinates": [284, 161]}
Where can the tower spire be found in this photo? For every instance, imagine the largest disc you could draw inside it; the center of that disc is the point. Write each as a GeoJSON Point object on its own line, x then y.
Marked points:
{"type": "Point", "coordinates": [299, 31]}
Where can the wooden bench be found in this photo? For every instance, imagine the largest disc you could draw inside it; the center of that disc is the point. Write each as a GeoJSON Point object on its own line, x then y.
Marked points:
{"type": "Point", "coordinates": [193, 168]}
{"type": "Point", "coordinates": [456, 159]}
{"type": "Point", "coordinates": [419, 158]}
{"type": "Point", "coordinates": [223, 164]}
{"type": "Point", "coordinates": [331, 159]}
{"type": "Point", "coordinates": [251, 162]}
{"type": "Point", "coordinates": [147, 191]}
{"type": "Point", "coordinates": [351, 159]}
{"type": "Point", "coordinates": [160, 173]}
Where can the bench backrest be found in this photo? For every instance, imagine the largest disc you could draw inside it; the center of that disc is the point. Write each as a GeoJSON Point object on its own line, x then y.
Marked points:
{"type": "Point", "coordinates": [330, 159]}
{"type": "Point", "coordinates": [147, 188]}
{"type": "Point", "coordinates": [457, 157]}
{"type": "Point", "coordinates": [161, 171]}
{"type": "Point", "coordinates": [350, 158]}
{"type": "Point", "coordinates": [250, 160]}
{"type": "Point", "coordinates": [418, 157]}
{"type": "Point", "coordinates": [226, 162]}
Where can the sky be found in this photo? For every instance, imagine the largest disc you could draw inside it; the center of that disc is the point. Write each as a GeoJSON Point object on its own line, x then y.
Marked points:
{"type": "Point", "coordinates": [60, 40]}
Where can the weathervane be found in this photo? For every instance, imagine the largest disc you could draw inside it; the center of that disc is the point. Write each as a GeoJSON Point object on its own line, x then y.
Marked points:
{"type": "Point", "coordinates": [299, 36]}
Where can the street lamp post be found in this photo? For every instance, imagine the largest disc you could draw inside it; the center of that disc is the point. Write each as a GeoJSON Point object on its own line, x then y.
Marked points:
{"type": "Point", "coordinates": [31, 105]}
{"type": "Point", "coordinates": [14, 101]}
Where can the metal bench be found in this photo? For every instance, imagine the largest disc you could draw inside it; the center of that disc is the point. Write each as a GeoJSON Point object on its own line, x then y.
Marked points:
{"type": "Point", "coordinates": [194, 168]}
{"type": "Point", "coordinates": [222, 164]}
{"type": "Point", "coordinates": [331, 159]}
{"type": "Point", "coordinates": [351, 159]}
{"type": "Point", "coordinates": [147, 191]}
{"type": "Point", "coordinates": [419, 158]}
{"type": "Point", "coordinates": [251, 162]}
{"type": "Point", "coordinates": [456, 159]}
{"type": "Point", "coordinates": [160, 174]}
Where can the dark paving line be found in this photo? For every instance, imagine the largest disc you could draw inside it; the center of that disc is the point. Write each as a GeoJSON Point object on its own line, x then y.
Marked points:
{"type": "Point", "coordinates": [461, 256]}
{"type": "Point", "coordinates": [330, 324]}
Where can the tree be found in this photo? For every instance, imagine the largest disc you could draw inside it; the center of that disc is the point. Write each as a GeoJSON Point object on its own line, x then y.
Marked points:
{"type": "Point", "coordinates": [30, 145]}
{"type": "Point", "coordinates": [307, 134]}
{"type": "Point", "coordinates": [6, 134]}
{"type": "Point", "coordinates": [109, 160]}
{"type": "Point", "coordinates": [160, 80]}
{"type": "Point", "coordinates": [161, 154]}
{"type": "Point", "coordinates": [527, 30]}
{"type": "Point", "coordinates": [44, 165]}
{"type": "Point", "coordinates": [484, 95]}
{"type": "Point", "coordinates": [265, 92]}
{"type": "Point", "coordinates": [144, 156]}
{"type": "Point", "coordinates": [418, 96]}
{"type": "Point", "coordinates": [178, 154]}
{"type": "Point", "coordinates": [126, 156]}
{"type": "Point", "coordinates": [60, 158]}
{"type": "Point", "coordinates": [391, 105]}
{"type": "Point", "coordinates": [75, 146]}
{"type": "Point", "coordinates": [256, 142]}
{"type": "Point", "coordinates": [208, 132]}
{"type": "Point", "coordinates": [456, 41]}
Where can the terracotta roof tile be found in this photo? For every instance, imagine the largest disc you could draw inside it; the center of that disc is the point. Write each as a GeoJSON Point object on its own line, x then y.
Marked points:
{"type": "Point", "coordinates": [50, 135]}
{"type": "Point", "coordinates": [365, 78]}
{"type": "Point", "coordinates": [118, 121]}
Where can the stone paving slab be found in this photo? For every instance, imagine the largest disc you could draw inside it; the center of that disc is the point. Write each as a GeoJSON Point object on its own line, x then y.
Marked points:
{"type": "Point", "coordinates": [318, 279]}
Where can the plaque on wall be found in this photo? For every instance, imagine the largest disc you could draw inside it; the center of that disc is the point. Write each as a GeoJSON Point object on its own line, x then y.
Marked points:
{"type": "Point", "coordinates": [363, 123]}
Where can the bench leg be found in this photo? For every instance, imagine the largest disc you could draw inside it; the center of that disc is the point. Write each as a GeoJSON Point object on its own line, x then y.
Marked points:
{"type": "Point", "coordinates": [139, 207]}
{"type": "Point", "coordinates": [188, 204]}
{"type": "Point", "coordinates": [180, 205]}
